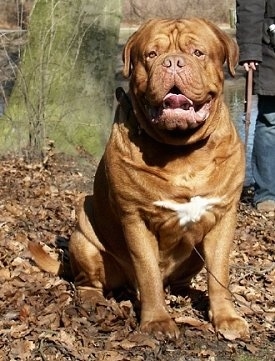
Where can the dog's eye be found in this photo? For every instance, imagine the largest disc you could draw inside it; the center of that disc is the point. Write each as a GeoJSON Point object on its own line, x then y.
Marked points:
{"type": "Point", "coordinates": [152, 54]}
{"type": "Point", "coordinates": [198, 53]}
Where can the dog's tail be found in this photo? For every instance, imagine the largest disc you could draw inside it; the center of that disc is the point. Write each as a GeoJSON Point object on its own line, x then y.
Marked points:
{"type": "Point", "coordinates": [44, 260]}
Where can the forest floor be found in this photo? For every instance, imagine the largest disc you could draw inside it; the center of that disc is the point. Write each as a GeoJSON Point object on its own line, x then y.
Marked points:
{"type": "Point", "coordinates": [41, 316]}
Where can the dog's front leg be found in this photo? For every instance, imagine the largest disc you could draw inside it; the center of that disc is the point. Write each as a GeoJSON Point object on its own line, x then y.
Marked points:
{"type": "Point", "coordinates": [143, 249]}
{"type": "Point", "coordinates": [217, 248]}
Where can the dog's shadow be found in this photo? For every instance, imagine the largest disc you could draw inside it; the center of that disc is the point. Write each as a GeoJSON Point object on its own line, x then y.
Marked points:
{"type": "Point", "coordinates": [62, 244]}
{"type": "Point", "coordinates": [199, 299]}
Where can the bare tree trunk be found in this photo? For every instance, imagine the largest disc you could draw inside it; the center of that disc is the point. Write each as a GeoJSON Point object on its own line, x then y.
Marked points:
{"type": "Point", "coordinates": [65, 84]}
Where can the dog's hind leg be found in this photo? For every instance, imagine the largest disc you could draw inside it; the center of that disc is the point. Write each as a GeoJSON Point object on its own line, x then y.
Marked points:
{"type": "Point", "coordinates": [93, 268]}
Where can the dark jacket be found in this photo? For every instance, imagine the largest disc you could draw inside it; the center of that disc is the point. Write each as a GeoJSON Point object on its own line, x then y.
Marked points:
{"type": "Point", "coordinates": [253, 19]}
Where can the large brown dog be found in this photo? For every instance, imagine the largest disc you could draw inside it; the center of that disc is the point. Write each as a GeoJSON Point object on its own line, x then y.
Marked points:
{"type": "Point", "coordinates": [167, 187]}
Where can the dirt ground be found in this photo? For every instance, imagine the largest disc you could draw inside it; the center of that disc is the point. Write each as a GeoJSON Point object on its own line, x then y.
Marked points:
{"type": "Point", "coordinates": [41, 316]}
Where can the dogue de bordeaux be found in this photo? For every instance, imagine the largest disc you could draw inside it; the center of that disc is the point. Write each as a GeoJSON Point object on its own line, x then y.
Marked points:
{"type": "Point", "coordinates": [167, 187]}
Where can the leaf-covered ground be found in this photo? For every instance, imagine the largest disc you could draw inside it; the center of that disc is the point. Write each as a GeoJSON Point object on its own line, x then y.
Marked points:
{"type": "Point", "coordinates": [41, 317]}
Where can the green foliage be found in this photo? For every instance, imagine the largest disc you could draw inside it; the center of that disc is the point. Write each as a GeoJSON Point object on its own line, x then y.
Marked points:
{"type": "Point", "coordinates": [65, 84]}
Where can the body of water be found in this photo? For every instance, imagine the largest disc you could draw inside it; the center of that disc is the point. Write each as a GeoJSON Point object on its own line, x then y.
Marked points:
{"type": "Point", "coordinates": [234, 97]}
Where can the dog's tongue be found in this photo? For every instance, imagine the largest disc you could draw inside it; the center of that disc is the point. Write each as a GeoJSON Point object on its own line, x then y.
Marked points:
{"type": "Point", "coordinates": [174, 101]}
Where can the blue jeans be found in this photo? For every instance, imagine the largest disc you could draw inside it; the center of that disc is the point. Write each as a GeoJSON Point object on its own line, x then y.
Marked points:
{"type": "Point", "coordinates": [263, 154]}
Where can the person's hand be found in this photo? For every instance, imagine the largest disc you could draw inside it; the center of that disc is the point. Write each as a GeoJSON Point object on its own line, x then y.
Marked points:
{"type": "Point", "coordinates": [250, 65]}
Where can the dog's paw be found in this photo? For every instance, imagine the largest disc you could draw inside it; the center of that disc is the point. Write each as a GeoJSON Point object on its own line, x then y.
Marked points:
{"type": "Point", "coordinates": [232, 328]}
{"type": "Point", "coordinates": [166, 327]}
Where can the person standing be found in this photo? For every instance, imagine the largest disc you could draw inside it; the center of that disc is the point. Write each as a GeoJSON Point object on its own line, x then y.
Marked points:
{"type": "Point", "coordinates": [257, 51]}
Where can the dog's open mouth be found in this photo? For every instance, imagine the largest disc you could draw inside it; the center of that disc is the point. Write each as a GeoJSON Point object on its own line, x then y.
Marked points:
{"type": "Point", "coordinates": [179, 112]}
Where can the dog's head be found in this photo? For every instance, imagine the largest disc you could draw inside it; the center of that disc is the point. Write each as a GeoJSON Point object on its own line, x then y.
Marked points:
{"type": "Point", "coordinates": [176, 76]}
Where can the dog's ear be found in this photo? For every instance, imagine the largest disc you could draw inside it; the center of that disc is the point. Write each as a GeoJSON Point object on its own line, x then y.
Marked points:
{"type": "Point", "coordinates": [126, 56]}
{"type": "Point", "coordinates": [231, 52]}
{"type": "Point", "coordinates": [129, 48]}
{"type": "Point", "coordinates": [231, 49]}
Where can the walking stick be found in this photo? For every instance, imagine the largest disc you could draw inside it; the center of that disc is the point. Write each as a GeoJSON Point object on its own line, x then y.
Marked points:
{"type": "Point", "coordinates": [248, 102]}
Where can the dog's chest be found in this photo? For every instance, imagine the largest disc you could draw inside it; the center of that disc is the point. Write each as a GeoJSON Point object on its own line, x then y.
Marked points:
{"type": "Point", "coordinates": [180, 195]}
{"type": "Point", "coordinates": [179, 227]}
{"type": "Point", "coordinates": [189, 221]}
{"type": "Point", "coordinates": [175, 196]}
{"type": "Point", "coordinates": [191, 212]}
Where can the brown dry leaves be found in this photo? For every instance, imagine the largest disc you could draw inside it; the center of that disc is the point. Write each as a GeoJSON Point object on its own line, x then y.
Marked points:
{"type": "Point", "coordinates": [42, 317]}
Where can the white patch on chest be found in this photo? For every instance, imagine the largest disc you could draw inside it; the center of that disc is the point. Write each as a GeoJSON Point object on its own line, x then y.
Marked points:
{"type": "Point", "coordinates": [191, 211]}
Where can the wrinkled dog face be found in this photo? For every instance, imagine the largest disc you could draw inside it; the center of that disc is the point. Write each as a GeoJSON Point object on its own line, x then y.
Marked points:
{"type": "Point", "coordinates": [176, 69]}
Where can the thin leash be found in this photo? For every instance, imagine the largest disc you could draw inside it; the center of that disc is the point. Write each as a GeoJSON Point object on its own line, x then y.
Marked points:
{"type": "Point", "coordinates": [248, 104]}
